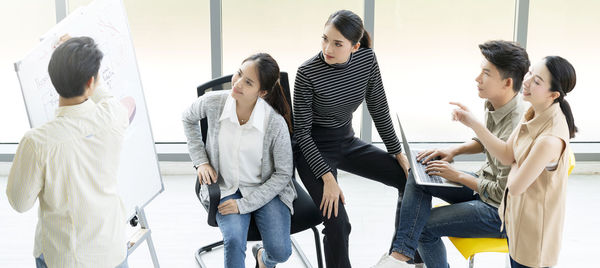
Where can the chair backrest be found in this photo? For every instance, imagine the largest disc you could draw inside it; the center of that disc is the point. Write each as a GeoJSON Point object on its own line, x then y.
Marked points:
{"type": "Point", "coordinates": [221, 83]}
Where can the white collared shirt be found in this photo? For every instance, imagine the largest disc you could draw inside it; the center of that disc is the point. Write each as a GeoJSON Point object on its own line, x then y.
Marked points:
{"type": "Point", "coordinates": [240, 147]}
{"type": "Point", "coordinates": [70, 164]}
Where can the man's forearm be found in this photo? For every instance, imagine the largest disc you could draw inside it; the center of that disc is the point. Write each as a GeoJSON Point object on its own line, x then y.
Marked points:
{"type": "Point", "coordinates": [469, 147]}
{"type": "Point", "coordinates": [469, 181]}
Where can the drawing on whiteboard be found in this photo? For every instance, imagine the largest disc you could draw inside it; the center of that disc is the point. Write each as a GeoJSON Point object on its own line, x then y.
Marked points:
{"type": "Point", "coordinates": [107, 76]}
{"type": "Point", "coordinates": [118, 40]}
{"type": "Point", "coordinates": [48, 95]}
{"type": "Point", "coordinates": [43, 83]}
{"type": "Point", "coordinates": [129, 103]}
{"type": "Point", "coordinates": [107, 27]}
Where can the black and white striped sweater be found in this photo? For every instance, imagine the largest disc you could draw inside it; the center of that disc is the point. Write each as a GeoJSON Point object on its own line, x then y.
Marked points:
{"type": "Point", "coordinates": [326, 96]}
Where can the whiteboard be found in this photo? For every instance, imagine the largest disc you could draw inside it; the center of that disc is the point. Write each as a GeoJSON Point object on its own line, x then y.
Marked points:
{"type": "Point", "coordinates": [106, 22]}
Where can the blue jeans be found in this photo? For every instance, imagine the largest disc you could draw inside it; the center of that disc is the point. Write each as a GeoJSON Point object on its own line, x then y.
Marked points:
{"type": "Point", "coordinates": [513, 263]}
{"type": "Point", "coordinates": [41, 263]}
{"type": "Point", "coordinates": [273, 222]}
{"type": "Point", "coordinates": [422, 227]}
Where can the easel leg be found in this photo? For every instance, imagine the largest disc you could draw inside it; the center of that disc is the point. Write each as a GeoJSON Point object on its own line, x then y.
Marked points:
{"type": "Point", "coordinates": [145, 234]}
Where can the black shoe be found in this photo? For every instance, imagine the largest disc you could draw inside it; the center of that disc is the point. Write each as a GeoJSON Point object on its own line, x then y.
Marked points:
{"type": "Point", "coordinates": [417, 259]}
{"type": "Point", "coordinates": [255, 250]}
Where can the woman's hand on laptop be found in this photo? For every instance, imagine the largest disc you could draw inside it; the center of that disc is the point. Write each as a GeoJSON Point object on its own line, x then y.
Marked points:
{"type": "Point", "coordinates": [435, 154]}
{"type": "Point", "coordinates": [403, 162]}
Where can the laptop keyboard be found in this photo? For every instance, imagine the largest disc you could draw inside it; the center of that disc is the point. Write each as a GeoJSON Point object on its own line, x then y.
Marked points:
{"type": "Point", "coordinates": [420, 168]}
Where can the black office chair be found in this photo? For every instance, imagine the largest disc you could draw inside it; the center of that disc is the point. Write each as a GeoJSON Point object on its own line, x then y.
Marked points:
{"type": "Point", "coordinates": [306, 214]}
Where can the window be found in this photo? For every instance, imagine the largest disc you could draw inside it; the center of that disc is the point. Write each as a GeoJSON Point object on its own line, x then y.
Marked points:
{"type": "Point", "coordinates": [428, 55]}
{"type": "Point", "coordinates": [172, 45]}
{"type": "Point", "coordinates": [290, 31]}
{"type": "Point", "coordinates": [570, 29]}
{"type": "Point", "coordinates": [427, 51]}
{"type": "Point", "coordinates": [24, 22]}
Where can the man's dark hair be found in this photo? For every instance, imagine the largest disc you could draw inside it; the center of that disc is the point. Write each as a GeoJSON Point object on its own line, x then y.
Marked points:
{"type": "Point", "coordinates": [510, 59]}
{"type": "Point", "coordinates": [72, 65]}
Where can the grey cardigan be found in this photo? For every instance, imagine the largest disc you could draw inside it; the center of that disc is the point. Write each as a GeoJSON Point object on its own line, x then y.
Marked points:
{"type": "Point", "coordinates": [277, 164]}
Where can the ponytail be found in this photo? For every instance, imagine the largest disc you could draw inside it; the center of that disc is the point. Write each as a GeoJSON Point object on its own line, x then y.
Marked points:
{"type": "Point", "coordinates": [276, 98]}
{"type": "Point", "coordinates": [563, 81]}
{"type": "Point", "coordinates": [268, 76]}
{"type": "Point", "coordinates": [365, 40]}
{"type": "Point", "coordinates": [566, 109]}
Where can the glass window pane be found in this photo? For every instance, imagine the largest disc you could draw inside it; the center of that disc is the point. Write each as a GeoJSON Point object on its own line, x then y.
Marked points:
{"type": "Point", "coordinates": [428, 54]}
{"type": "Point", "coordinates": [289, 30]}
{"type": "Point", "coordinates": [172, 45]}
{"type": "Point", "coordinates": [23, 24]}
{"type": "Point", "coordinates": [570, 29]}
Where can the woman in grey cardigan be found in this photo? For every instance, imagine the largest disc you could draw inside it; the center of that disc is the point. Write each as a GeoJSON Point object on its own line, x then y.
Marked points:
{"type": "Point", "coordinates": [248, 145]}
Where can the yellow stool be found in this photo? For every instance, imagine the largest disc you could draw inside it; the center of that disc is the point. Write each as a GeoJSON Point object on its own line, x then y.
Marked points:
{"type": "Point", "coordinates": [571, 162]}
{"type": "Point", "coordinates": [468, 247]}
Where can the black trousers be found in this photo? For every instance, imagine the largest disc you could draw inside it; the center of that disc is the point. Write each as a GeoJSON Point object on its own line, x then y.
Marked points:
{"type": "Point", "coordinates": [341, 150]}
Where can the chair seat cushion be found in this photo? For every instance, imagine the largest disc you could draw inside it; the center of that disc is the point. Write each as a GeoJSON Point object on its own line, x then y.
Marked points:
{"type": "Point", "coordinates": [470, 246]}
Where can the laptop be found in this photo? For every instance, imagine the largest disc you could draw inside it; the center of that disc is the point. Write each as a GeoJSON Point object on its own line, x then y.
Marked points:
{"type": "Point", "coordinates": [418, 169]}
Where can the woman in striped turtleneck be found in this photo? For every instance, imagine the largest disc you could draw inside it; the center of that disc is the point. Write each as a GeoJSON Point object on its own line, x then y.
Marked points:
{"type": "Point", "coordinates": [329, 87]}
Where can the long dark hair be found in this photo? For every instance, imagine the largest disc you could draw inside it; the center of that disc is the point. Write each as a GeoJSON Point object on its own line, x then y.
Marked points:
{"type": "Point", "coordinates": [350, 26]}
{"type": "Point", "coordinates": [563, 81]}
{"type": "Point", "coordinates": [268, 76]}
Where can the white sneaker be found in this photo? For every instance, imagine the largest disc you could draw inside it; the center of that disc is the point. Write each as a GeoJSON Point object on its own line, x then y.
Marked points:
{"type": "Point", "coordinates": [387, 261]}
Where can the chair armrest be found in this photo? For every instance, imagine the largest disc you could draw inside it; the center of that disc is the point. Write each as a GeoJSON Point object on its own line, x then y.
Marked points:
{"type": "Point", "coordinates": [214, 194]}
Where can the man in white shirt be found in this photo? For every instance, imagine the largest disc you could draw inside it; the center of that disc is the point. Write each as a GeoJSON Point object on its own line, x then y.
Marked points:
{"type": "Point", "coordinates": [70, 164]}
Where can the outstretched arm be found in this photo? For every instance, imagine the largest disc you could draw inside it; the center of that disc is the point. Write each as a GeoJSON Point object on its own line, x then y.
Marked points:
{"type": "Point", "coordinates": [498, 148]}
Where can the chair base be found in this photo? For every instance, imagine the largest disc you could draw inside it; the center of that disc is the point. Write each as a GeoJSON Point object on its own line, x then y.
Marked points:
{"type": "Point", "coordinates": [472, 261]}
{"type": "Point", "coordinates": [205, 249]}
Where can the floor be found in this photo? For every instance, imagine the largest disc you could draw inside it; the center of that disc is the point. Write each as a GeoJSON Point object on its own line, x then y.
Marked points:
{"type": "Point", "coordinates": [179, 228]}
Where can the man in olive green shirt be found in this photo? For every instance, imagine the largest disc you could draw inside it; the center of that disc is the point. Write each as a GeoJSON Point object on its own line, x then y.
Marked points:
{"type": "Point", "coordinates": [473, 209]}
